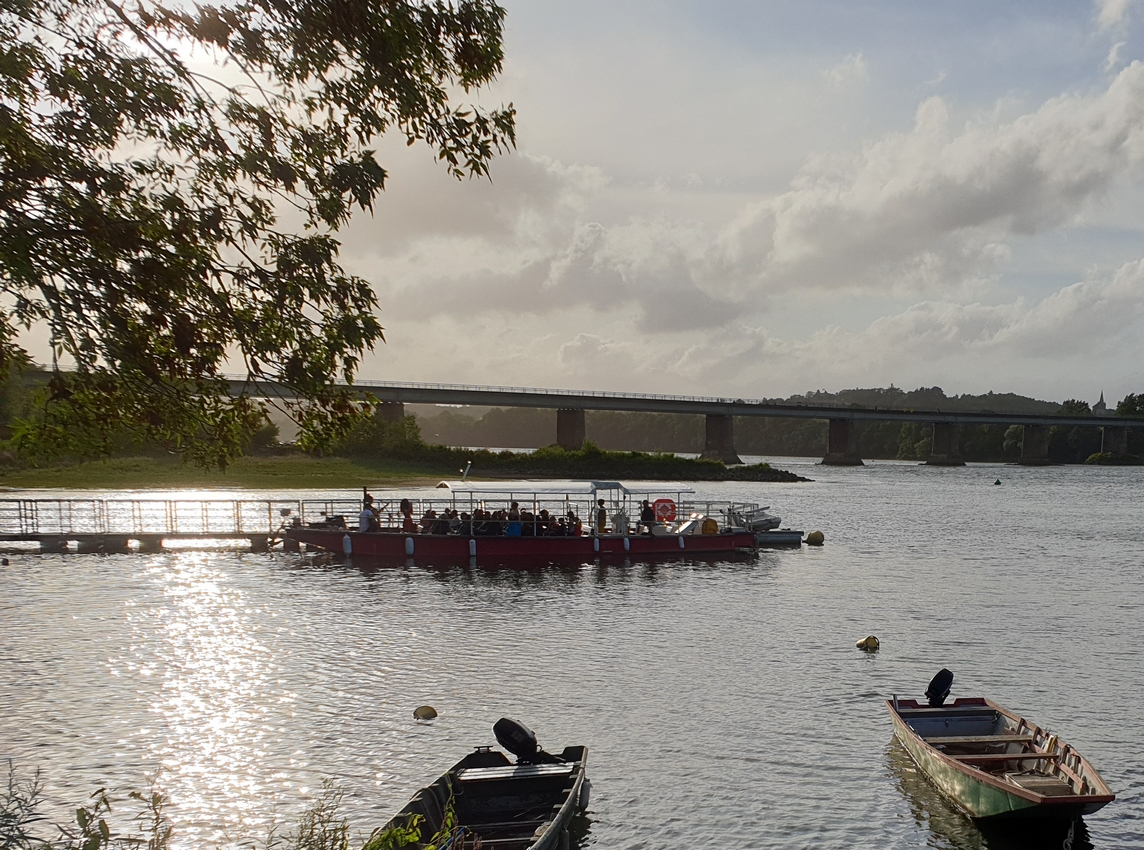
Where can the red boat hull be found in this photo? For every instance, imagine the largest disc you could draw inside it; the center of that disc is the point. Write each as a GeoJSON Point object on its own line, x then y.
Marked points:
{"type": "Point", "coordinates": [395, 545]}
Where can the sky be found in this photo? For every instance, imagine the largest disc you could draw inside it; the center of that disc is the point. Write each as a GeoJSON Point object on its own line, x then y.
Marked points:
{"type": "Point", "coordinates": [756, 199]}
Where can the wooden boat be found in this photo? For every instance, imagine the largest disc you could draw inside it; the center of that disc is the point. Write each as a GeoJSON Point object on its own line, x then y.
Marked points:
{"type": "Point", "coordinates": [994, 764]}
{"type": "Point", "coordinates": [685, 526]}
{"type": "Point", "coordinates": [487, 801]}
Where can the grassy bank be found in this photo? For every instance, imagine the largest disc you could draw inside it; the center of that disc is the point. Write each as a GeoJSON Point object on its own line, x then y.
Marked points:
{"type": "Point", "coordinates": [427, 465]}
{"type": "Point", "coordinates": [288, 472]}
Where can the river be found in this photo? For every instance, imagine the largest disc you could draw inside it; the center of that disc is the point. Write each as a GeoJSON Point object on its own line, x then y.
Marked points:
{"type": "Point", "coordinates": [724, 705]}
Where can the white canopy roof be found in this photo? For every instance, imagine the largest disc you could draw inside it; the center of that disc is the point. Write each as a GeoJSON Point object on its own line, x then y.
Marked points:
{"type": "Point", "coordinates": [556, 488]}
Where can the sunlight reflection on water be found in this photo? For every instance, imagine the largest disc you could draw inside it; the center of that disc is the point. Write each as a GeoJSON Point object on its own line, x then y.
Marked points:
{"type": "Point", "coordinates": [724, 704]}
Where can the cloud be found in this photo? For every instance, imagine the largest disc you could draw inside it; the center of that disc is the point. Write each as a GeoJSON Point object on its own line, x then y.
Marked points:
{"type": "Point", "coordinates": [853, 67]}
{"type": "Point", "coordinates": [931, 210]}
{"type": "Point", "coordinates": [1111, 13]}
{"type": "Point", "coordinates": [1113, 58]}
{"type": "Point", "coordinates": [1089, 331]}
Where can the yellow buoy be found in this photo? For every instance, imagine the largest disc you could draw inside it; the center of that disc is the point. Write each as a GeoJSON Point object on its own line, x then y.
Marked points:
{"type": "Point", "coordinates": [815, 538]}
{"type": "Point", "coordinates": [868, 643]}
{"type": "Point", "coordinates": [424, 712]}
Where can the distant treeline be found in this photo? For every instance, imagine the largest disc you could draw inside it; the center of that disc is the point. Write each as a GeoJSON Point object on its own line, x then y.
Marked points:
{"type": "Point", "coordinates": [671, 432]}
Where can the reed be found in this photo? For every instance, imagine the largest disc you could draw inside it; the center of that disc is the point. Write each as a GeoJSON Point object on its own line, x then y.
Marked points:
{"type": "Point", "coordinates": [141, 822]}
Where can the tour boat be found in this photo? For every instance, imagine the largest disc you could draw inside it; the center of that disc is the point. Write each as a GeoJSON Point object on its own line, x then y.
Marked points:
{"type": "Point", "coordinates": [487, 801]}
{"type": "Point", "coordinates": [552, 520]}
{"type": "Point", "coordinates": [994, 764]}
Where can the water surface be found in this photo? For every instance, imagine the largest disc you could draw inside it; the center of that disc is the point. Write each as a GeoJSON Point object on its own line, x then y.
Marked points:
{"type": "Point", "coordinates": [724, 704]}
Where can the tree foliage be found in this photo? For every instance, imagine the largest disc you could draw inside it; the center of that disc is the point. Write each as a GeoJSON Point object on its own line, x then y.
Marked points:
{"type": "Point", "coordinates": [171, 184]}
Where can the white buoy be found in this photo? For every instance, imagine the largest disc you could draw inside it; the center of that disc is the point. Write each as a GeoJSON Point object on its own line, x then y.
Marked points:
{"type": "Point", "coordinates": [627, 545]}
{"type": "Point", "coordinates": [680, 539]}
{"type": "Point", "coordinates": [347, 545]}
{"type": "Point", "coordinates": [595, 544]}
{"type": "Point", "coordinates": [408, 545]}
{"type": "Point", "coordinates": [472, 548]}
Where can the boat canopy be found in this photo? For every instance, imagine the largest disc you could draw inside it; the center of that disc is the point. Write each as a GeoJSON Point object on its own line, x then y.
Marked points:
{"type": "Point", "coordinates": [554, 488]}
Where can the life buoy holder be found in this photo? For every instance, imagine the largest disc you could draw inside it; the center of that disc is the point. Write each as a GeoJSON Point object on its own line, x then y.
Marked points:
{"type": "Point", "coordinates": [664, 509]}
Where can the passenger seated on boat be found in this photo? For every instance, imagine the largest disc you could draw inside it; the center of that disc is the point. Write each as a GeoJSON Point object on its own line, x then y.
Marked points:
{"type": "Point", "coordinates": [543, 522]}
{"type": "Point", "coordinates": [528, 523]}
{"type": "Point", "coordinates": [454, 521]}
{"type": "Point", "coordinates": [407, 524]}
{"type": "Point", "coordinates": [427, 521]}
{"type": "Point", "coordinates": [574, 523]}
{"type": "Point", "coordinates": [499, 521]}
{"type": "Point", "coordinates": [367, 520]}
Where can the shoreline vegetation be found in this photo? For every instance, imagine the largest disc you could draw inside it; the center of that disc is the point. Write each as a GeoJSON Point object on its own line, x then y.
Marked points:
{"type": "Point", "coordinates": [98, 822]}
{"type": "Point", "coordinates": [288, 469]}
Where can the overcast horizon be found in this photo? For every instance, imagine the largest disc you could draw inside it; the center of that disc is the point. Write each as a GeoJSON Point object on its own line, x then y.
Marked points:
{"type": "Point", "coordinates": [764, 199]}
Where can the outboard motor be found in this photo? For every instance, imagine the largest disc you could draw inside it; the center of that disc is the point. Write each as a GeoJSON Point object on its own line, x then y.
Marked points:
{"type": "Point", "coordinates": [939, 688]}
{"type": "Point", "coordinates": [519, 740]}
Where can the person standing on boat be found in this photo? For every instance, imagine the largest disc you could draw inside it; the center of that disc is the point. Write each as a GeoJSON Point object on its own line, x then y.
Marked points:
{"type": "Point", "coordinates": [407, 524]}
{"type": "Point", "coordinates": [601, 517]}
{"type": "Point", "coordinates": [647, 516]}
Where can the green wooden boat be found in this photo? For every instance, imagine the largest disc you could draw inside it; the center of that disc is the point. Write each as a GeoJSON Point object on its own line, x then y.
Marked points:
{"type": "Point", "coordinates": [996, 765]}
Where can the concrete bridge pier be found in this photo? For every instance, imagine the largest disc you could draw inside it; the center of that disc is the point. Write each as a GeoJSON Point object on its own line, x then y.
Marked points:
{"type": "Point", "coordinates": [719, 439]}
{"type": "Point", "coordinates": [842, 444]}
{"type": "Point", "coordinates": [570, 429]}
{"type": "Point", "coordinates": [1114, 440]}
{"type": "Point", "coordinates": [944, 451]}
{"type": "Point", "coordinates": [1034, 445]}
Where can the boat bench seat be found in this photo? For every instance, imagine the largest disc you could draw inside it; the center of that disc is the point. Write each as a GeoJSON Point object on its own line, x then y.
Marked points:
{"type": "Point", "coordinates": [979, 739]}
{"type": "Point", "coordinates": [515, 771]}
{"type": "Point", "coordinates": [991, 757]}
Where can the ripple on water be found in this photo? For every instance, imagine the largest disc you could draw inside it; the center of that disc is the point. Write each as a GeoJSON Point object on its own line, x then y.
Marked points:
{"type": "Point", "coordinates": [724, 704]}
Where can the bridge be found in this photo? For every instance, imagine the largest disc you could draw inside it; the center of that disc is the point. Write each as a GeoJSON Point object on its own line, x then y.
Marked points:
{"type": "Point", "coordinates": [719, 440]}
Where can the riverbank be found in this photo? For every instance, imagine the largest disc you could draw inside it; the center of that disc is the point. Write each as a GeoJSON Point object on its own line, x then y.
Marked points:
{"type": "Point", "coordinates": [294, 470]}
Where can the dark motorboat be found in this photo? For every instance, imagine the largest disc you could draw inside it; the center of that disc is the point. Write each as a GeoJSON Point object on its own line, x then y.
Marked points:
{"type": "Point", "coordinates": [487, 801]}
{"type": "Point", "coordinates": [992, 763]}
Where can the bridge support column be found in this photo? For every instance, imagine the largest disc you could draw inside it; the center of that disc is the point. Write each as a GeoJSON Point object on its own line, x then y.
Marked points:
{"type": "Point", "coordinates": [1114, 440]}
{"type": "Point", "coordinates": [389, 411]}
{"type": "Point", "coordinates": [944, 450]}
{"type": "Point", "coordinates": [1034, 445]}
{"type": "Point", "coordinates": [719, 439]}
{"type": "Point", "coordinates": [570, 429]}
{"type": "Point", "coordinates": [842, 444]}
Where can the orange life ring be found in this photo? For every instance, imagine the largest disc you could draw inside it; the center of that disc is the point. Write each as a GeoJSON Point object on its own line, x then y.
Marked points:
{"type": "Point", "coordinates": [664, 509]}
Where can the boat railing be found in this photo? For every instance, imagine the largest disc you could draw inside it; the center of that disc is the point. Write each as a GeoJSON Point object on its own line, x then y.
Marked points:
{"type": "Point", "coordinates": [43, 517]}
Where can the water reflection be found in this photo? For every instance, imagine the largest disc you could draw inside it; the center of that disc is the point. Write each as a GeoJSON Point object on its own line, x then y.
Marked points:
{"type": "Point", "coordinates": [217, 674]}
{"type": "Point", "coordinates": [948, 827]}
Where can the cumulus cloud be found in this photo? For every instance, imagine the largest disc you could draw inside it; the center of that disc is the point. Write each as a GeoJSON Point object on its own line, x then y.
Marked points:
{"type": "Point", "coordinates": [1111, 13]}
{"type": "Point", "coordinates": [932, 210]}
{"type": "Point", "coordinates": [1089, 331]}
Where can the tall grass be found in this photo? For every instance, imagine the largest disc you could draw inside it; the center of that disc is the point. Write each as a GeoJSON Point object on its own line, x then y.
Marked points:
{"type": "Point", "coordinates": [23, 827]}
